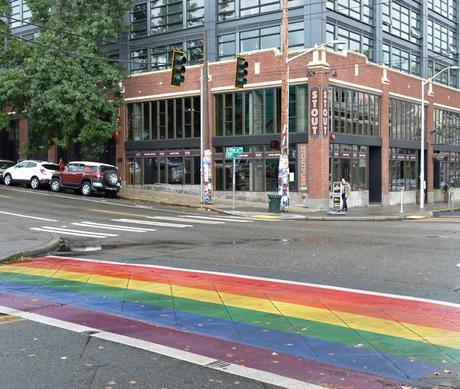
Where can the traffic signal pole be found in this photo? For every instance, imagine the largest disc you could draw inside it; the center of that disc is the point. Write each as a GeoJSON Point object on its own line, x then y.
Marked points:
{"type": "Point", "coordinates": [283, 167]}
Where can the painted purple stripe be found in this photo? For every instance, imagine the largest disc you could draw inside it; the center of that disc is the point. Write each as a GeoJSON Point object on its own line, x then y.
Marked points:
{"type": "Point", "coordinates": [236, 353]}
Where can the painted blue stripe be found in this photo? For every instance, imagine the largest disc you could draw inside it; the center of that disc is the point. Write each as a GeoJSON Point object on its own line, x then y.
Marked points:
{"type": "Point", "coordinates": [360, 359]}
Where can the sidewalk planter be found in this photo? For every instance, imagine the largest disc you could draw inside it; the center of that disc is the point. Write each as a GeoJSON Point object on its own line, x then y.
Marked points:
{"type": "Point", "coordinates": [274, 203]}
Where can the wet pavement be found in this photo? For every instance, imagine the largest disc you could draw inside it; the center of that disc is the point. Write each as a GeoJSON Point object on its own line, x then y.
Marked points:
{"type": "Point", "coordinates": [295, 332]}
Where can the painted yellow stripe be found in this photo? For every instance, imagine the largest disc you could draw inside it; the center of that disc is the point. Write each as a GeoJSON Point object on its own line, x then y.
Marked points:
{"type": "Point", "coordinates": [5, 197]}
{"type": "Point", "coordinates": [343, 319]}
{"type": "Point", "coordinates": [115, 212]}
{"type": "Point", "coordinates": [8, 319]}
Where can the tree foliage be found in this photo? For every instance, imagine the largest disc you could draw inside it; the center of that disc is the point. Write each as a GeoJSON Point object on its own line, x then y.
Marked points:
{"type": "Point", "coordinates": [61, 82]}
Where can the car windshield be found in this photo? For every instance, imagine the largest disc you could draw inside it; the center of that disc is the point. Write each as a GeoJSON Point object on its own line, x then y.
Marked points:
{"type": "Point", "coordinates": [51, 166]}
{"type": "Point", "coordinates": [5, 165]}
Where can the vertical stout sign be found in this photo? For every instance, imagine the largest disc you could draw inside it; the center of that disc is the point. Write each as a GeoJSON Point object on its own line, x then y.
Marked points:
{"type": "Point", "coordinates": [314, 111]}
{"type": "Point", "coordinates": [325, 114]}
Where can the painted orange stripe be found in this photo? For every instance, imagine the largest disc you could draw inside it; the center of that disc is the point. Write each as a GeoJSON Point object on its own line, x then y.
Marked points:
{"type": "Point", "coordinates": [421, 313]}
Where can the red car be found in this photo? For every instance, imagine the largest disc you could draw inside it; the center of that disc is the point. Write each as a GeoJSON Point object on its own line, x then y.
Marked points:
{"type": "Point", "coordinates": [87, 177]}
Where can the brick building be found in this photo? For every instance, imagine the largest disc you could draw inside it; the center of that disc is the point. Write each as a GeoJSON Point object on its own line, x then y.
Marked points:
{"type": "Point", "coordinates": [368, 129]}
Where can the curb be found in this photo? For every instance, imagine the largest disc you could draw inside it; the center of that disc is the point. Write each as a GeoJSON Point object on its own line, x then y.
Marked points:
{"type": "Point", "coordinates": [45, 248]}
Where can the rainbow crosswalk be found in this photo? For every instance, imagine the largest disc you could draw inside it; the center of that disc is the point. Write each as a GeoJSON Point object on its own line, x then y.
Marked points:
{"type": "Point", "coordinates": [325, 336]}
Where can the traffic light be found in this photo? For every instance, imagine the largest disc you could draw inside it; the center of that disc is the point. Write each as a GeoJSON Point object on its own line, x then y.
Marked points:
{"type": "Point", "coordinates": [178, 67]}
{"type": "Point", "coordinates": [241, 72]}
{"type": "Point", "coordinates": [275, 144]}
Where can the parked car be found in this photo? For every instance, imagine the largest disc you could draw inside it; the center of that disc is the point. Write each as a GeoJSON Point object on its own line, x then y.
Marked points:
{"type": "Point", "coordinates": [87, 177]}
{"type": "Point", "coordinates": [30, 172]}
{"type": "Point", "coordinates": [4, 164]}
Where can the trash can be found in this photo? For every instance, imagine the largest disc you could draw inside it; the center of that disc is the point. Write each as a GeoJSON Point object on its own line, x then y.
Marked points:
{"type": "Point", "coordinates": [274, 203]}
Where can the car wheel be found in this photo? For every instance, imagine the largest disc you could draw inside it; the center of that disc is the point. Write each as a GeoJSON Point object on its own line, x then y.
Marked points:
{"type": "Point", "coordinates": [7, 180]}
{"type": "Point", "coordinates": [55, 185]}
{"type": "Point", "coordinates": [34, 183]}
{"type": "Point", "coordinates": [111, 177]}
{"type": "Point", "coordinates": [85, 188]}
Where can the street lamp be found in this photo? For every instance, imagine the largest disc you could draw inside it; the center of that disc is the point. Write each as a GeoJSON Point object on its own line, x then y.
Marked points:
{"type": "Point", "coordinates": [422, 135]}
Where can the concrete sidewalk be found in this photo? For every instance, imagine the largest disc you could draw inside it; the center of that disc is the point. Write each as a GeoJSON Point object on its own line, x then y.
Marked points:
{"type": "Point", "coordinates": [298, 212]}
{"type": "Point", "coordinates": [15, 242]}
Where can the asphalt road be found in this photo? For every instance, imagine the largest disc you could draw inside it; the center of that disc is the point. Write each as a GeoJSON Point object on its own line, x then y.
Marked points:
{"type": "Point", "coordinates": [412, 258]}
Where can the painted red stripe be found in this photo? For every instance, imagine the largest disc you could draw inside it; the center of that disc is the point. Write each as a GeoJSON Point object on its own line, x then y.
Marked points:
{"type": "Point", "coordinates": [236, 353]}
{"type": "Point", "coordinates": [409, 311]}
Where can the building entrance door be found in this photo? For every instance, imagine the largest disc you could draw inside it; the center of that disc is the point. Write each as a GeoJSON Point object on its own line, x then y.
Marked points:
{"type": "Point", "coordinates": [375, 175]}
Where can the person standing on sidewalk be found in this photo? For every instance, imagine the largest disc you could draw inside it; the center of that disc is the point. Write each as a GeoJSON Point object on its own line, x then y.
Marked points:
{"type": "Point", "coordinates": [61, 164]}
{"type": "Point", "coordinates": [346, 189]}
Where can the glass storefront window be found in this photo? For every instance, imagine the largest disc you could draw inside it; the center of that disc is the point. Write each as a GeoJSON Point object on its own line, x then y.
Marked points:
{"type": "Point", "coordinates": [350, 162]}
{"type": "Point", "coordinates": [403, 169]}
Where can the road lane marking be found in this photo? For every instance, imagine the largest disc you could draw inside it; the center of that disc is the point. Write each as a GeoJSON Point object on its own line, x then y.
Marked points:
{"type": "Point", "coordinates": [5, 197]}
{"type": "Point", "coordinates": [151, 223]}
{"type": "Point", "coordinates": [113, 227]}
{"type": "Point", "coordinates": [29, 217]}
{"type": "Point", "coordinates": [64, 231]}
{"type": "Point", "coordinates": [183, 219]}
{"type": "Point", "coordinates": [230, 219]}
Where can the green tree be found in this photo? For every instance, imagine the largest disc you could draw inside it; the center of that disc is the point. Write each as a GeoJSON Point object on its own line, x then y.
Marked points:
{"type": "Point", "coordinates": [61, 82]}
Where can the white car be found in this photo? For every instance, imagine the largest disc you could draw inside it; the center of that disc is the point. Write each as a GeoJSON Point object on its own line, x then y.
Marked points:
{"type": "Point", "coordinates": [30, 172]}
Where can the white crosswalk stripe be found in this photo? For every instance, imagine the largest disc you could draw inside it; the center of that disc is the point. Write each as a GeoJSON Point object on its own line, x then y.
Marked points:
{"type": "Point", "coordinates": [65, 231]}
{"type": "Point", "coordinates": [184, 219]}
{"type": "Point", "coordinates": [222, 218]}
{"type": "Point", "coordinates": [152, 223]}
{"type": "Point", "coordinates": [114, 227]}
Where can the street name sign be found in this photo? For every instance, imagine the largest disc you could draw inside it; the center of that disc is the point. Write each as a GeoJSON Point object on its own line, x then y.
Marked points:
{"type": "Point", "coordinates": [233, 152]}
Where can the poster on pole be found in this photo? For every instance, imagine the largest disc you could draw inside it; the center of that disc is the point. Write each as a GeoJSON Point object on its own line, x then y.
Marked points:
{"type": "Point", "coordinates": [207, 176]}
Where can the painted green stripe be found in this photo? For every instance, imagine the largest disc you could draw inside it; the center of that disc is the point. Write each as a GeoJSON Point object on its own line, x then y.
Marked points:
{"type": "Point", "coordinates": [347, 336]}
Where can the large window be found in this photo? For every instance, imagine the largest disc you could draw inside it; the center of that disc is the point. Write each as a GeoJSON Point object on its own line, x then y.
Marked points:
{"type": "Point", "coordinates": [447, 170]}
{"type": "Point", "coordinates": [20, 13]}
{"type": "Point", "coordinates": [400, 59]}
{"type": "Point", "coordinates": [225, 10]}
{"type": "Point", "coordinates": [405, 119]}
{"type": "Point", "coordinates": [260, 38]}
{"type": "Point", "coordinates": [195, 13]}
{"type": "Point", "coordinates": [164, 119]}
{"type": "Point", "coordinates": [447, 77]}
{"type": "Point", "coordinates": [138, 61]}
{"type": "Point", "coordinates": [441, 39]}
{"type": "Point", "coordinates": [354, 112]}
{"type": "Point", "coordinates": [257, 112]}
{"type": "Point", "coordinates": [358, 9]}
{"type": "Point", "coordinates": [195, 51]}
{"type": "Point", "coordinates": [354, 41]}
{"type": "Point", "coordinates": [446, 8]}
{"type": "Point", "coordinates": [139, 21]}
{"type": "Point", "coordinates": [256, 170]}
{"type": "Point", "coordinates": [227, 46]}
{"type": "Point", "coordinates": [401, 21]}
{"type": "Point", "coordinates": [403, 169]}
{"type": "Point", "coordinates": [164, 167]}
{"type": "Point", "coordinates": [447, 127]}
{"type": "Point", "coordinates": [166, 15]}
{"type": "Point", "coordinates": [349, 162]}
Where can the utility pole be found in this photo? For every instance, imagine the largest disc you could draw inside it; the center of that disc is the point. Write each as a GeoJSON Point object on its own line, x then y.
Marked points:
{"type": "Point", "coordinates": [205, 135]}
{"type": "Point", "coordinates": [283, 167]}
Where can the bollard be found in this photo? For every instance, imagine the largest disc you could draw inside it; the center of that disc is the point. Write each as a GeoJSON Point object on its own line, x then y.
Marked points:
{"type": "Point", "coordinates": [451, 200]}
{"type": "Point", "coordinates": [402, 201]}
